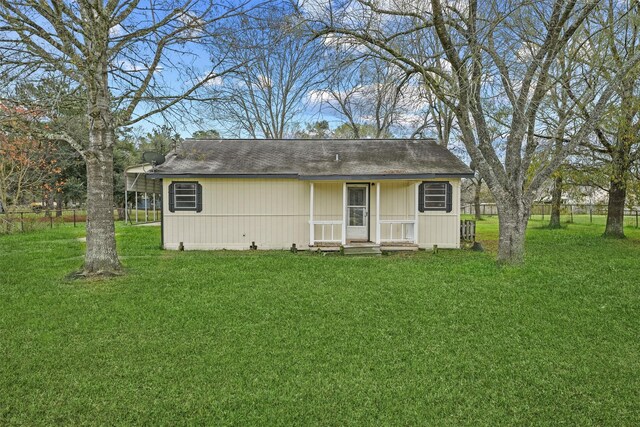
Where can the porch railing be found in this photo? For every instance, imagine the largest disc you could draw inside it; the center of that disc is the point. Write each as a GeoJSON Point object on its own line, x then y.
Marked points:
{"type": "Point", "coordinates": [327, 232]}
{"type": "Point", "coordinates": [399, 230]}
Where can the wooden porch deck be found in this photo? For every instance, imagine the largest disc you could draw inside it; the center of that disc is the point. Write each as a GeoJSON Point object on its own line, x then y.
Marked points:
{"type": "Point", "coordinates": [366, 248]}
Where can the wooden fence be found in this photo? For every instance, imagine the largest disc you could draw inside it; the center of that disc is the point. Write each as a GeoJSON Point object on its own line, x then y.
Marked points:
{"type": "Point", "coordinates": [467, 231]}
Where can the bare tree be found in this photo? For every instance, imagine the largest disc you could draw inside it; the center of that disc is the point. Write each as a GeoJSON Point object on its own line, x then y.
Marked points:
{"type": "Point", "coordinates": [497, 61]}
{"type": "Point", "coordinates": [281, 65]}
{"type": "Point", "coordinates": [614, 147]}
{"type": "Point", "coordinates": [370, 95]}
{"type": "Point", "coordinates": [132, 61]}
{"type": "Point", "coordinates": [438, 121]}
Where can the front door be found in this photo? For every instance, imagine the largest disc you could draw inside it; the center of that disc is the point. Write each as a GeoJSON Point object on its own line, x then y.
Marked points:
{"type": "Point", "coordinates": [357, 212]}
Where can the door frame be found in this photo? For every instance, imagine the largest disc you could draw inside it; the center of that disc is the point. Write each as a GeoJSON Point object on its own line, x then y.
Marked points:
{"type": "Point", "coordinates": [368, 207]}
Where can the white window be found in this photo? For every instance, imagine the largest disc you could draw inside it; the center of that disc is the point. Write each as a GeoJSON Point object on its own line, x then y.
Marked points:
{"type": "Point", "coordinates": [435, 195]}
{"type": "Point", "coordinates": [185, 196]}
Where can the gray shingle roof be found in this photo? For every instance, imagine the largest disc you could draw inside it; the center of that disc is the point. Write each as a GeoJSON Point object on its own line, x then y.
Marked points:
{"type": "Point", "coordinates": [312, 159]}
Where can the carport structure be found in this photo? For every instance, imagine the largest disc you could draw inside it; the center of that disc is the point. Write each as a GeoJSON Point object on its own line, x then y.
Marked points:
{"type": "Point", "coordinates": [146, 192]}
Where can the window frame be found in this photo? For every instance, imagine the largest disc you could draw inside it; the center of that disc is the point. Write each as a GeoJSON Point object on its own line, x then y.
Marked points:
{"type": "Point", "coordinates": [443, 195]}
{"type": "Point", "coordinates": [197, 196]}
{"type": "Point", "coordinates": [446, 195]}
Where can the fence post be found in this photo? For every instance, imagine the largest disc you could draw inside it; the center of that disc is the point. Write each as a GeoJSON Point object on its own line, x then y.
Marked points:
{"type": "Point", "coordinates": [591, 214]}
{"type": "Point", "coordinates": [74, 217]}
{"type": "Point", "coordinates": [543, 211]}
{"type": "Point", "coordinates": [22, 221]}
{"type": "Point", "coordinates": [636, 218]}
{"type": "Point", "coordinates": [51, 221]}
{"type": "Point", "coordinates": [571, 208]}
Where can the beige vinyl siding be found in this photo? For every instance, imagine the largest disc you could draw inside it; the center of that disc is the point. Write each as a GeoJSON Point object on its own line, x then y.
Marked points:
{"type": "Point", "coordinates": [398, 202]}
{"type": "Point", "coordinates": [274, 213]}
{"type": "Point", "coordinates": [327, 201]}
{"type": "Point", "coordinates": [441, 228]}
{"type": "Point", "coordinates": [327, 206]}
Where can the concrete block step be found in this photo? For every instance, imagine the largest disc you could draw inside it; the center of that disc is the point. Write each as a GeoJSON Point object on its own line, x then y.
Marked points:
{"type": "Point", "coordinates": [362, 251]}
{"type": "Point", "coordinates": [404, 248]}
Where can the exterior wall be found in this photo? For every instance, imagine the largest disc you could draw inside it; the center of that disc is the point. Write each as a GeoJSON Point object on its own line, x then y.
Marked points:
{"type": "Point", "coordinates": [441, 228]}
{"type": "Point", "coordinates": [398, 202]}
{"type": "Point", "coordinates": [274, 213]}
{"type": "Point", "coordinates": [327, 206]}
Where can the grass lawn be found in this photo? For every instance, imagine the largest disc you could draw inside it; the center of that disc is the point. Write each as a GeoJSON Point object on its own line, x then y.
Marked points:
{"type": "Point", "coordinates": [273, 338]}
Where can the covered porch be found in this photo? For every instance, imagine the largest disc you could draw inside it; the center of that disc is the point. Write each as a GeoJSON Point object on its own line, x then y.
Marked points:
{"type": "Point", "coordinates": [142, 195]}
{"type": "Point", "coordinates": [360, 214]}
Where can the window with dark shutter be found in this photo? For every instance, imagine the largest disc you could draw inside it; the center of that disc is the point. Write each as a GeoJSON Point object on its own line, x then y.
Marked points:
{"type": "Point", "coordinates": [435, 196]}
{"type": "Point", "coordinates": [185, 196]}
{"type": "Point", "coordinates": [172, 206]}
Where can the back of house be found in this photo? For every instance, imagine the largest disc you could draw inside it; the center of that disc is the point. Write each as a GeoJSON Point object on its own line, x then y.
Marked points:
{"type": "Point", "coordinates": [234, 194]}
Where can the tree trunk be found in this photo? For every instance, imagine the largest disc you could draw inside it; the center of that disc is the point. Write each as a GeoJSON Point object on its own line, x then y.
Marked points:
{"type": "Point", "coordinates": [615, 209]}
{"type": "Point", "coordinates": [58, 205]}
{"type": "Point", "coordinates": [556, 202]}
{"type": "Point", "coordinates": [101, 257]}
{"type": "Point", "coordinates": [476, 200]}
{"type": "Point", "coordinates": [513, 217]}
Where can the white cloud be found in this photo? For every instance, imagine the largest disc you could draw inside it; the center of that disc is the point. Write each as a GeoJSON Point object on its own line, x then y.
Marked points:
{"type": "Point", "coordinates": [319, 96]}
{"type": "Point", "coordinates": [130, 67]}
{"type": "Point", "coordinates": [264, 82]}
{"type": "Point", "coordinates": [214, 82]}
{"type": "Point", "coordinates": [116, 31]}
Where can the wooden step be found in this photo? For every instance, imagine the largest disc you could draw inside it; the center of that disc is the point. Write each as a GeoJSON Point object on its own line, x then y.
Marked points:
{"type": "Point", "coordinates": [399, 248]}
{"type": "Point", "coordinates": [362, 250]}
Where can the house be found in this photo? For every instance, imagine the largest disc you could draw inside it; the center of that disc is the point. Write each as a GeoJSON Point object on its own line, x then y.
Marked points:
{"type": "Point", "coordinates": [228, 194]}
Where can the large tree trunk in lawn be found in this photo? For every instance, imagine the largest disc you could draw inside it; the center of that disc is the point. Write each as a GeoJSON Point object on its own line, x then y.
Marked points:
{"type": "Point", "coordinates": [626, 138]}
{"type": "Point", "coordinates": [615, 209]}
{"type": "Point", "coordinates": [101, 257]}
{"type": "Point", "coordinates": [556, 202]}
{"type": "Point", "coordinates": [513, 217]}
{"type": "Point", "coordinates": [476, 200]}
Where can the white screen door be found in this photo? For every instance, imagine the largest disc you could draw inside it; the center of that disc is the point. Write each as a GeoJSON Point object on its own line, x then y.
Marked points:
{"type": "Point", "coordinates": [357, 212]}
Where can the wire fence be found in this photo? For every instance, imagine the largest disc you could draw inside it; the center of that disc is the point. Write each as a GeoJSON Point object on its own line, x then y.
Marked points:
{"type": "Point", "coordinates": [569, 213]}
{"type": "Point", "coordinates": [20, 221]}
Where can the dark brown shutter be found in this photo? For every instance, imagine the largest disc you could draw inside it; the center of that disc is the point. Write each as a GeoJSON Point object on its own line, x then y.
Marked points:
{"type": "Point", "coordinates": [449, 197]}
{"type": "Point", "coordinates": [198, 198]}
{"type": "Point", "coordinates": [420, 200]}
{"type": "Point", "coordinates": [172, 199]}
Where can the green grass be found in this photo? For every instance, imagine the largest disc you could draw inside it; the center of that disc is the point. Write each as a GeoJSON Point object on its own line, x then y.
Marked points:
{"type": "Point", "coordinates": [274, 338]}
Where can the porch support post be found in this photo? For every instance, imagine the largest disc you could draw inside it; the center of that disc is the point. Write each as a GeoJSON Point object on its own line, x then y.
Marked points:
{"type": "Point", "coordinates": [146, 207]}
{"type": "Point", "coordinates": [378, 237]}
{"type": "Point", "coordinates": [416, 217]}
{"type": "Point", "coordinates": [136, 207]}
{"type": "Point", "coordinates": [126, 208]}
{"type": "Point", "coordinates": [312, 227]}
{"type": "Point", "coordinates": [344, 213]}
{"type": "Point", "coordinates": [155, 210]}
